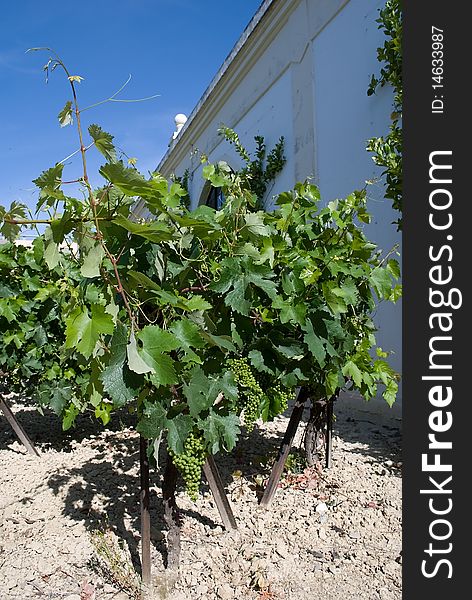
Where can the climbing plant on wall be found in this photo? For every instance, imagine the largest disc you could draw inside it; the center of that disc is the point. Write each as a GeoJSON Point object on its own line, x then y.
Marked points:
{"type": "Point", "coordinates": [387, 150]}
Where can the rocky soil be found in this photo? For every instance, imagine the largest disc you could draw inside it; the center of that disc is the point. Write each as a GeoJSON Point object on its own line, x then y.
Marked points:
{"type": "Point", "coordinates": [69, 520]}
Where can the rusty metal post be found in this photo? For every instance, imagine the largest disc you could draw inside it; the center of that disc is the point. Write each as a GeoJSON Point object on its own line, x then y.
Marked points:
{"type": "Point", "coordinates": [17, 428]}
{"type": "Point", "coordinates": [329, 431]}
{"type": "Point", "coordinates": [217, 489]}
{"type": "Point", "coordinates": [285, 447]}
{"type": "Point", "coordinates": [145, 514]}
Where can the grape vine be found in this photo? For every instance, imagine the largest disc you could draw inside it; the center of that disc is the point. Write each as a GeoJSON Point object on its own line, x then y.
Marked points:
{"type": "Point", "coordinates": [199, 319]}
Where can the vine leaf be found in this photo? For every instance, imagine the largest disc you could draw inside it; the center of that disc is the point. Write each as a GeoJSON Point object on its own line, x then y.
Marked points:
{"type": "Point", "coordinates": [381, 281]}
{"type": "Point", "coordinates": [197, 392]}
{"type": "Point", "coordinates": [257, 360]}
{"type": "Point", "coordinates": [350, 369]}
{"type": "Point", "coordinates": [236, 299]}
{"type": "Point", "coordinates": [103, 142]}
{"type": "Point", "coordinates": [52, 255]}
{"type": "Point", "coordinates": [83, 331]}
{"type": "Point", "coordinates": [49, 183]}
{"type": "Point", "coordinates": [91, 266]}
{"type": "Point", "coordinates": [153, 420]}
{"type": "Point", "coordinates": [188, 334]}
{"type": "Point", "coordinates": [164, 371]}
{"type": "Point", "coordinates": [135, 362]}
{"type": "Point", "coordinates": [65, 116]}
{"type": "Point", "coordinates": [314, 343]}
{"type": "Point", "coordinates": [178, 429]}
{"type": "Point", "coordinates": [156, 232]}
{"type": "Point", "coordinates": [334, 297]}
{"type": "Point", "coordinates": [155, 342]}
{"type": "Point", "coordinates": [255, 224]}
{"type": "Point", "coordinates": [220, 431]}
{"type": "Point", "coordinates": [132, 183]}
{"type": "Point", "coordinates": [113, 376]}
{"type": "Point", "coordinates": [16, 211]}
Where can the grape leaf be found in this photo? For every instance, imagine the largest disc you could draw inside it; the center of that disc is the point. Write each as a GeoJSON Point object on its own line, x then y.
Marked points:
{"type": "Point", "coordinates": [135, 362]}
{"type": "Point", "coordinates": [290, 311]}
{"type": "Point", "coordinates": [255, 224]}
{"type": "Point", "coordinates": [222, 341]}
{"type": "Point", "coordinates": [52, 255]}
{"type": "Point", "coordinates": [156, 232]}
{"type": "Point", "coordinates": [350, 369]}
{"type": "Point", "coordinates": [69, 417]}
{"type": "Point", "coordinates": [91, 266]}
{"type": "Point", "coordinates": [156, 340]}
{"type": "Point", "coordinates": [153, 420]}
{"type": "Point", "coordinates": [314, 343]}
{"type": "Point", "coordinates": [197, 303]}
{"type": "Point", "coordinates": [188, 333]}
{"type": "Point", "coordinates": [292, 379]}
{"type": "Point", "coordinates": [220, 431]}
{"type": "Point", "coordinates": [113, 376]}
{"type": "Point", "coordinates": [103, 142]}
{"type": "Point", "coordinates": [132, 183]}
{"type": "Point", "coordinates": [257, 360]}
{"type": "Point", "coordinates": [230, 275]}
{"type": "Point", "coordinates": [83, 331]}
{"type": "Point", "coordinates": [49, 183]}
{"type": "Point", "coordinates": [197, 392]}
{"type": "Point", "coordinates": [65, 116]}
{"type": "Point", "coordinates": [164, 371]}
{"type": "Point", "coordinates": [334, 297]}
{"type": "Point", "coordinates": [178, 429]}
{"type": "Point", "coordinates": [394, 268]}
{"type": "Point", "coordinates": [236, 298]}
{"type": "Point", "coordinates": [349, 291]}
{"type": "Point", "coordinates": [294, 352]}
{"type": "Point", "coordinates": [381, 281]}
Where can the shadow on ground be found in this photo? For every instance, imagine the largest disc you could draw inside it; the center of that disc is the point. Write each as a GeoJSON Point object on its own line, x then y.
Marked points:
{"type": "Point", "coordinates": [112, 475]}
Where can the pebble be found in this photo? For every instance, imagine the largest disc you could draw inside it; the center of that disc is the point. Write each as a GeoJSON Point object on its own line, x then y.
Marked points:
{"type": "Point", "coordinates": [225, 592]}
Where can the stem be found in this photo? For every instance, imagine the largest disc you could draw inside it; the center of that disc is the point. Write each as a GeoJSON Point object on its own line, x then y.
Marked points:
{"type": "Point", "coordinates": [93, 202]}
{"type": "Point", "coordinates": [74, 153]}
{"type": "Point", "coordinates": [49, 221]}
{"type": "Point", "coordinates": [194, 288]}
{"type": "Point", "coordinates": [119, 286]}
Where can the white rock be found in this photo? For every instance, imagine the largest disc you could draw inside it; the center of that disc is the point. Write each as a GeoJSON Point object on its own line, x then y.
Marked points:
{"type": "Point", "coordinates": [225, 592]}
{"type": "Point", "coordinates": [321, 508]}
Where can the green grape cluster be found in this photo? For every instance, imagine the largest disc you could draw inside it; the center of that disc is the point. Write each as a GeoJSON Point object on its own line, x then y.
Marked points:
{"type": "Point", "coordinates": [281, 393]}
{"type": "Point", "coordinates": [190, 463]}
{"type": "Point", "coordinates": [251, 392]}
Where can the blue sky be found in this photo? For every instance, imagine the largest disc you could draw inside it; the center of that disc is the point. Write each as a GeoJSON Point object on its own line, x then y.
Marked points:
{"type": "Point", "coordinates": [169, 47]}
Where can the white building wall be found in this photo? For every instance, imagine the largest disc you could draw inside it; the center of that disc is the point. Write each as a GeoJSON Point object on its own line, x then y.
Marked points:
{"type": "Point", "coordinates": [345, 118]}
{"type": "Point", "coordinates": [303, 73]}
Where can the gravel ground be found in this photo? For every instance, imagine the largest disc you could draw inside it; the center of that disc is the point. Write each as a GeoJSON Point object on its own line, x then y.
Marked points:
{"type": "Point", "coordinates": [69, 520]}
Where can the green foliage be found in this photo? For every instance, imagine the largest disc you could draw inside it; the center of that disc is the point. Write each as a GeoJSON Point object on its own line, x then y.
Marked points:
{"type": "Point", "coordinates": [388, 149]}
{"type": "Point", "coordinates": [261, 170]}
{"type": "Point", "coordinates": [203, 319]}
{"type": "Point", "coordinates": [33, 355]}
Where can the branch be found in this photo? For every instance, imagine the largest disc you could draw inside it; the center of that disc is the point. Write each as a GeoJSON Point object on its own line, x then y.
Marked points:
{"type": "Point", "coordinates": [195, 288]}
